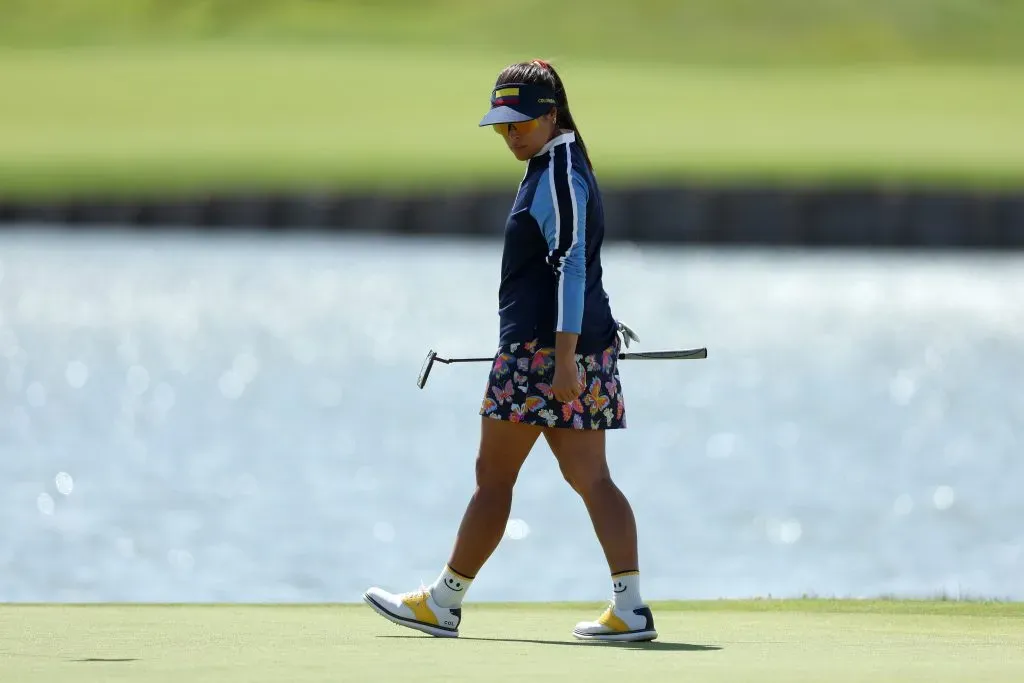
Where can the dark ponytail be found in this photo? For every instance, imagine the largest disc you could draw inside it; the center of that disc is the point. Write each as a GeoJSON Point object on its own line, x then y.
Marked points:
{"type": "Point", "coordinates": [539, 72]}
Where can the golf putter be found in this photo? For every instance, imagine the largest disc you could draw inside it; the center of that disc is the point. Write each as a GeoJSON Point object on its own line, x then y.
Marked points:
{"type": "Point", "coordinates": [428, 363]}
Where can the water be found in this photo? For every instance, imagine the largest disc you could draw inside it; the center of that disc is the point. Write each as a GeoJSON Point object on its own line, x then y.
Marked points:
{"type": "Point", "coordinates": [193, 419]}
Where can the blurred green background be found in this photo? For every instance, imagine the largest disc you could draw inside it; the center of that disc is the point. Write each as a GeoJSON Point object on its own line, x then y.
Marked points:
{"type": "Point", "coordinates": [156, 97]}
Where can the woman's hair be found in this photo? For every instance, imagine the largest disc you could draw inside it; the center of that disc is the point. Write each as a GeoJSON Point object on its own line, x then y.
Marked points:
{"type": "Point", "coordinates": [539, 72]}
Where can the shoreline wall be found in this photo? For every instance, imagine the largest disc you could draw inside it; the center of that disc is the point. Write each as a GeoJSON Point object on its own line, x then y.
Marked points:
{"type": "Point", "coordinates": [748, 215]}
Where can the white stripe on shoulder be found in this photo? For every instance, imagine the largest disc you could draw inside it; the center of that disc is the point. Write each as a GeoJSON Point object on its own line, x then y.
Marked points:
{"type": "Point", "coordinates": [572, 201]}
{"type": "Point", "coordinates": [575, 226]}
{"type": "Point", "coordinates": [554, 199]}
{"type": "Point", "coordinates": [560, 296]}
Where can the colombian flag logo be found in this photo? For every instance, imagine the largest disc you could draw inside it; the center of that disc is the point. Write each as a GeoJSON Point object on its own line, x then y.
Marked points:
{"type": "Point", "coordinates": [506, 96]}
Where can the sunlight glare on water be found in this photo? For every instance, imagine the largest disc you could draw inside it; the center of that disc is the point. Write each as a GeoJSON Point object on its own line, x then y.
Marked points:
{"type": "Point", "coordinates": [235, 418]}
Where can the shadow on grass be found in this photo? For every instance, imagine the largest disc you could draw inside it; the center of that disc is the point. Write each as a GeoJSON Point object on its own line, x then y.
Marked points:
{"type": "Point", "coordinates": [105, 659]}
{"type": "Point", "coordinates": [655, 646]}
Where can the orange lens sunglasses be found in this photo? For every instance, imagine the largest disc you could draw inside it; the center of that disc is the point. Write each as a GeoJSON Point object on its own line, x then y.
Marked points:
{"type": "Point", "coordinates": [523, 127]}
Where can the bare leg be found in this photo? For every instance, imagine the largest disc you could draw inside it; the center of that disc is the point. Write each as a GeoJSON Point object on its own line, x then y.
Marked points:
{"type": "Point", "coordinates": [581, 457]}
{"type": "Point", "coordinates": [504, 447]}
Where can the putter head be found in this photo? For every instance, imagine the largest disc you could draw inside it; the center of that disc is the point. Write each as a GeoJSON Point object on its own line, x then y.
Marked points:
{"type": "Point", "coordinates": [428, 363]}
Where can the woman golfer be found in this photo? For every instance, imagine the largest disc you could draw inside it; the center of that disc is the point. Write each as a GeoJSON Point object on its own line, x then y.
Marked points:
{"type": "Point", "coordinates": [555, 373]}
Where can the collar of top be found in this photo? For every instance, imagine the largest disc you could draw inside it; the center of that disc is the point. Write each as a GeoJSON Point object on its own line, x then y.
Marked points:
{"type": "Point", "coordinates": [563, 139]}
{"type": "Point", "coordinates": [518, 102]}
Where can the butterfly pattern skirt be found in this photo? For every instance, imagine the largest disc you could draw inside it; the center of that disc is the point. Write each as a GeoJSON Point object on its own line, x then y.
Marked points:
{"type": "Point", "coordinates": [519, 389]}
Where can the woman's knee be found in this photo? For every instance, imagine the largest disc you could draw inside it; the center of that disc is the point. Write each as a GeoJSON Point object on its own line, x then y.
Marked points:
{"type": "Point", "coordinates": [493, 473]}
{"type": "Point", "coordinates": [581, 458]}
{"type": "Point", "coordinates": [588, 483]}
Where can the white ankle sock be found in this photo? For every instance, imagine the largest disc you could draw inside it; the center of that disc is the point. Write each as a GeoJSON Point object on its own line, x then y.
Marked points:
{"type": "Point", "coordinates": [449, 588]}
{"type": "Point", "coordinates": [626, 590]}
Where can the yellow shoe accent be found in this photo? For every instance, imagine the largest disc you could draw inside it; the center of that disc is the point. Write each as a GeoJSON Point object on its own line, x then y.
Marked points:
{"type": "Point", "coordinates": [619, 625]}
{"type": "Point", "coordinates": [417, 602]}
{"type": "Point", "coordinates": [416, 610]}
{"type": "Point", "coordinates": [613, 622]}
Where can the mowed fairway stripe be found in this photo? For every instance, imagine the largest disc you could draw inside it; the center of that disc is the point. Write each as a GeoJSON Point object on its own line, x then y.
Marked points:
{"type": "Point", "coordinates": [126, 119]}
{"type": "Point", "coordinates": [156, 644]}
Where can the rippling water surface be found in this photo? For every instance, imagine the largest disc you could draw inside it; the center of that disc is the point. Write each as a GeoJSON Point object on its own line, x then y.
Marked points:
{"type": "Point", "coordinates": [190, 418]}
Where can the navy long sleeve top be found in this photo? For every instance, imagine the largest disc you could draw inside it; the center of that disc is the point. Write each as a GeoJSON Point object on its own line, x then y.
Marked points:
{"type": "Point", "coordinates": [551, 263]}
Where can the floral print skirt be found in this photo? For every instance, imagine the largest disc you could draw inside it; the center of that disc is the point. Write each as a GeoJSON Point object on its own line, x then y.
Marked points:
{"type": "Point", "coordinates": [519, 389]}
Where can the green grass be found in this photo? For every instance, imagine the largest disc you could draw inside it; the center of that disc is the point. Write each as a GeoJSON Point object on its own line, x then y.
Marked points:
{"type": "Point", "coordinates": [754, 641]}
{"type": "Point", "coordinates": [159, 121]}
{"type": "Point", "coordinates": [161, 97]}
{"type": "Point", "coordinates": [696, 31]}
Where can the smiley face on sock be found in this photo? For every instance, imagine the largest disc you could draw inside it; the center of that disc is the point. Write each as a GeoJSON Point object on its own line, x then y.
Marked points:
{"type": "Point", "coordinates": [453, 584]}
{"type": "Point", "coordinates": [619, 587]}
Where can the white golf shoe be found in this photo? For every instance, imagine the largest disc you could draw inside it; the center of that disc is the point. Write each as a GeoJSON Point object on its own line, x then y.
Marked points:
{"type": "Point", "coordinates": [619, 625]}
{"type": "Point", "coordinates": [417, 610]}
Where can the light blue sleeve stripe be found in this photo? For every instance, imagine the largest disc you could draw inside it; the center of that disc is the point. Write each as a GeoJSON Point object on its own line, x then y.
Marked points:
{"type": "Point", "coordinates": [559, 207]}
{"type": "Point", "coordinates": [543, 210]}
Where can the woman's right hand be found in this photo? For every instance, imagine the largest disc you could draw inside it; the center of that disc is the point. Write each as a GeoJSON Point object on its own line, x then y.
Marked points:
{"type": "Point", "coordinates": [567, 384]}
